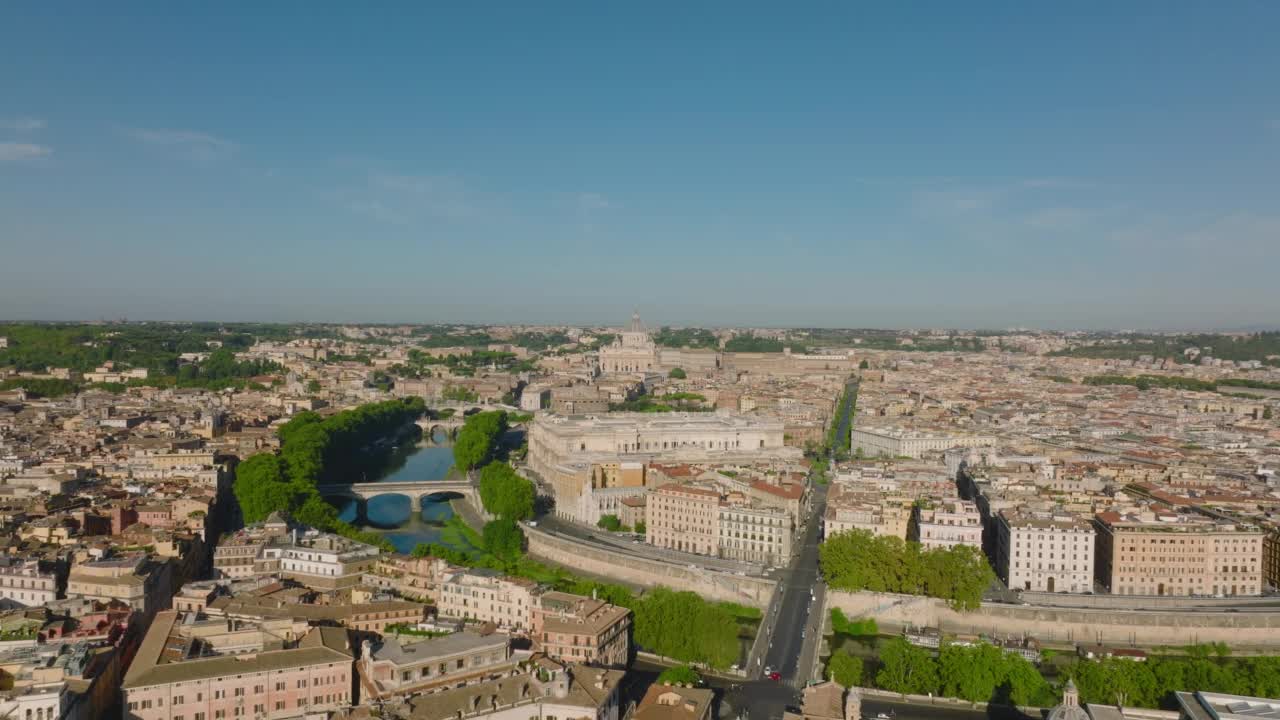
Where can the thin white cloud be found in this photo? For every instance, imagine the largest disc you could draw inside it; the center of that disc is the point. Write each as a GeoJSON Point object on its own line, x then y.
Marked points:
{"type": "Point", "coordinates": [594, 201]}
{"type": "Point", "coordinates": [22, 124]}
{"type": "Point", "coordinates": [180, 138]}
{"type": "Point", "coordinates": [15, 151]}
{"type": "Point", "coordinates": [378, 211]}
{"type": "Point", "coordinates": [429, 195]}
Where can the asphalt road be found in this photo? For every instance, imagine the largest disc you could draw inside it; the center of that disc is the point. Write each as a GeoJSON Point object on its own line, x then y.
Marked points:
{"type": "Point", "coordinates": [793, 622]}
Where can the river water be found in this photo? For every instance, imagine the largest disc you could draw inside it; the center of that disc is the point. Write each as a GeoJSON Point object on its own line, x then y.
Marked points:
{"type": "Point", "coordinates": [391, 515]}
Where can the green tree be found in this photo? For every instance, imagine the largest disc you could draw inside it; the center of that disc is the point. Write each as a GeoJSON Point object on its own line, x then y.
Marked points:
{"type": "Point", "coordinates": [677, 373]}
{"type": "Point", "coordinates": [680, 674]}
{"type": "Point", "coordinates": [469, 450]}
{"type": "Point", "coordinates": [683, 626]}
{"type": "Point", "coordinates": [905, 668]}
{"type": "Point", "coordinates": [1266, 413]}
{"type": "Point", "coordinates": [313, 386]}
{"type": "Point", "coordinates": [504, 493]}
{"type": "Point", "coordinates": [503, 539]}
{"type": "Point", "coordinates": [857, 560]}
{"type": "Point", "coordinates": [971, 672]}
{"type": "Point", "coordinates": [864, 365]}
{"type": "Point", "coordinates": [610, 523]}
{"type": "Point", "coordinates": [478, 439]}
{"type": "Point", "coordinates": [640, 527]}
{"type": "Point", "coordinates": [844, 668]}
{"type": "Point", "coordinates": [260, 487]}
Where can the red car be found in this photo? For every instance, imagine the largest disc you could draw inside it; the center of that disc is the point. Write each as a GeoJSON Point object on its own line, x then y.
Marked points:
{"type": "Point", "coordinates": [775, 676]}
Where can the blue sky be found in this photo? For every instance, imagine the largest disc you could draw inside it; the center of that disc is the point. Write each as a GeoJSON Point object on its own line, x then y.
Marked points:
{"type": "Point", "coordinates": [1086, 164]}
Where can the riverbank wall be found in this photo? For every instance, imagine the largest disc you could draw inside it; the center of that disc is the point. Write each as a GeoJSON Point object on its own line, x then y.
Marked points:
{"type": "Point", "coordinates": [648, 572]}
{"type": "Point", "coordinates": [1252, 628]}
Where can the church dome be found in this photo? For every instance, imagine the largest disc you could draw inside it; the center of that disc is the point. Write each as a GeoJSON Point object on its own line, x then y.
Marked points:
{"type": "Point", "coordinates": [1070, 708]}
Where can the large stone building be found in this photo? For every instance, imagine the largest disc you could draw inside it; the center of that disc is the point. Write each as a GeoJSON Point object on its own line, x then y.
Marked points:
{"type": "Point", "coordinates": [145, 584]}
{"type": "Point", "coordinates": [24, 582]}
{"type": "Point", "coordinates": [698, 519]}
{"type": "Point", "coordinates": [789, 363]}
{"type": "Point", "coordinates": [1054, 553]}
{"type": "Point", "coordinates": [488, 596]}
{"type": "Point", "coordinates": [685, 518]}
{"type": "Point", "coordinates": [320, 560]}
{"type": "Point", "coordinates": [178, 674]}
{"type": "Point", "coordinates": [633, 352]}
{"type": "Point", "coordinates": [899, 442]}
{"type": "Point", "coordinates": [573, 628]}
{"type": "Point", "coordinates": [556, 439]}
{"type": "Point", "coordinates": [948, 524]}
{"type": "Point", "coordinates": [755, 534]}
{"type": "Point", "coordinates": [1167, 553]}
{"type": "Point", "coordinates": [878, 516]}
{"type": "Point", "coordinates": [569, 453]}
{"type": "Point", "coordinates": [542, 688]}
{"type": "Point", "coordinates": [392, 667]}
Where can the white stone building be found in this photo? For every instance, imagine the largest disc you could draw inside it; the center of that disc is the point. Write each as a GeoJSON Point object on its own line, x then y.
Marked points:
{"type": "Point", "coordinates": [1049, 553]}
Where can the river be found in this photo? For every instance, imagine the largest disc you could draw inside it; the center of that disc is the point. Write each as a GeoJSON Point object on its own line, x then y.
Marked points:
{"type": "Point", "coordinates": [391, 515]}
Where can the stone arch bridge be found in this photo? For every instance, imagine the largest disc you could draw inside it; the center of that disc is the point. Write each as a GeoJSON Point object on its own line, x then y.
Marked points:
{"type": "Point", "coordinates": [414, 490]}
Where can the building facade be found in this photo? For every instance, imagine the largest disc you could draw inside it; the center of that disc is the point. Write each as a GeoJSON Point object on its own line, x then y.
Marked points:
{"type": "Point", "coordinates": [897, 442]}
{"type": "Point", "coordinates": [684, 518]}
{"type": "Point", "coordinates": [488, 596]}
{"type": "Point", "coordinates": [171, 679]}
{"type": "Point", "coordinates": [1177, 554]}
{"type": "Point", "coordinates": [1049, 554]}
{"type": "Point", "coordinates": [25, 583]}
{"type": "Point", "coordinates": [633, 352]}
{"type": "Point", "coordinates": [391, 667]}
{"type": "Point", "coordinates": [578, 629]}
{"type": "Point", "coordinates": [951, 523]}
{"type": "Point", "coordinates": [755, 534]}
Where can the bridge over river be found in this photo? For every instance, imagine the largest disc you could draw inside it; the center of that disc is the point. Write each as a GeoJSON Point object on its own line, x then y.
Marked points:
{"type": "Point", "coordinates": [414, 490]}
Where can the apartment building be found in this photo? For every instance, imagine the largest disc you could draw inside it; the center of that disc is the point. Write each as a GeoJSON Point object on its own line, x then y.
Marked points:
{"type": "Point", "coordinates": [948, 524]}
{"type": "Point", "coordinates": [1045, 553]}
{"type": "Point", "coordinates": [573, 628]}
{"type": "Point", "coordinates": [488, 596]}
{"type": "Point", "coordinates": [177, 676]}
{"type": "Point", "coordinates": [320, 560]}
{"type": "Point", "coordinates": [862, 506]}
{"type": "Point", "coordinates": [146, 585]}
{"type": "Point", "coordinates": [542, 688]}
{"type": "Point", "coordinates": [1168, 553]}
{"type": "Point", "coordinates": [1271, 557]}
{"type": "Point", "coordinates": [902, 442]}
{"type": "Point", "coordinates": [754, 534]}
{"type": "Point", "coordinates": [685, 518]}
{"type": "Point", "coordinates": [23, 581]}
{"type": "Point", "coordinates": [391, 666]}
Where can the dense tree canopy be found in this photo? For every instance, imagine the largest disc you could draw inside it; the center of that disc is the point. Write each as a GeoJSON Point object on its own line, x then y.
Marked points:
{"type": "Point", "coordinates": [857, 560]}
{"type": "Point", "coordinates": [1152, 683]}
{"type": "Point", "coordinates": [503, 539]}
{"type": "Point", "coordinates": [682, 625]}
{"type": "Point", "coordinates": [905, 668]}
{"type": "Point", "coordinates": [677, 373]}
{"type": "Point", "coordinates": [680, 675]}
{"type": "Point", "coordinates": [686, 337]}
{"type": "Point", "coordinates": [505, 494]}
{"type": "Point", "coordinates": [478, 439]}
{"type": "Point", "coordinates": [845, 669]}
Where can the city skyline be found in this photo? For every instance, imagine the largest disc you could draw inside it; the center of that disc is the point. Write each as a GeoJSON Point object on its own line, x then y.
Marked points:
{"type": "Point", "coordinates": [1058, 168]}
